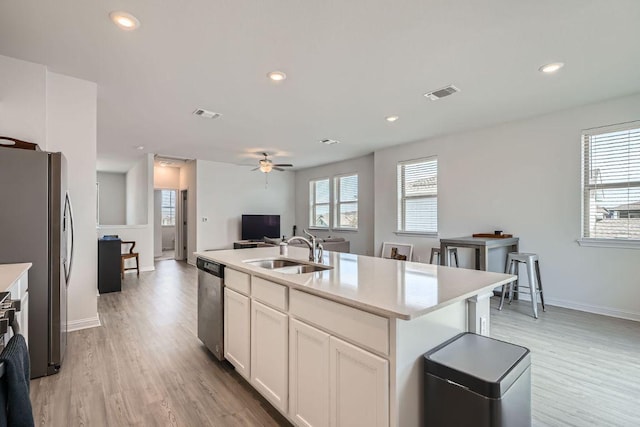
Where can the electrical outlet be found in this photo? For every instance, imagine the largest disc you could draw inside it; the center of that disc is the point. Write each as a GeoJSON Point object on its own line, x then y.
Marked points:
{"type": "Point", "coordinates": [205, 219]}
{"type": "Point", "coordinates": [483, 325]}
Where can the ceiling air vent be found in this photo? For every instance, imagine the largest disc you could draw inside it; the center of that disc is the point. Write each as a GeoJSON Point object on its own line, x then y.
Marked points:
{"type": "Point", "coordinates": [206, 114]}
{"type": "Point", "coordinates": [441, 93]}
{"type": "Point", "coordinates": [329, 141]}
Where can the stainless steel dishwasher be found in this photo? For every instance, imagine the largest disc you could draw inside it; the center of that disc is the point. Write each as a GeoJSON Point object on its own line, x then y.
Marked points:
{"type": "Point", "coordinates": [211, 306]}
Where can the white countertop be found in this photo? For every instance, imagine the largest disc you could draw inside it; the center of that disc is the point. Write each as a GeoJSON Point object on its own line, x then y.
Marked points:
{"type": "Point", "coordinates": [387, 287]}
{"type": "Point", "coordinates": [9, 273]}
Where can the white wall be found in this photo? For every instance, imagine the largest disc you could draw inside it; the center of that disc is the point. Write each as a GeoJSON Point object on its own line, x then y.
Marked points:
{"type": "Point", "coordinates": [142, 235]}
{"type": "Point", "coordinates": [23, 100]}
{"type": "Point", "coordinates": [140, 214]}
{"type": "Point", "coordinates": [226, 191]}
{"type": "Point", "coordinates": [188, 181]}
{"type": "Point", "coordinates": [71, 128]}
{"type": "Point", "coordinates": [523, 178]}
{"type": "Point", "coordinates": [138, 187]}
{"type": "Point", "coordinates": [361, 240]}
{"type": "Point", "coordinates": [113, 201]}
{"type": "Point", "coordinates": [167, 178]}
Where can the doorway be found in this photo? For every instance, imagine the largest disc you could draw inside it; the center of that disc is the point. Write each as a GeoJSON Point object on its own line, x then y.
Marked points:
{"type": "Point", "coordinates": [165, 224]}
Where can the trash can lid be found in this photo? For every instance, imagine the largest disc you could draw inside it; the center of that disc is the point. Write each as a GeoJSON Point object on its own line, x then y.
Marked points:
{"type": "Point", "coordinates": [484, 365]}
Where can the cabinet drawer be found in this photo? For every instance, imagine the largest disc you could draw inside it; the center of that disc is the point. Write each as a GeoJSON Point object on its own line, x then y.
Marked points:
{"type": "Point", "coordinates": [358, 326]}
{"type": "Point", "coordinates": [237, 280]}
{"type": "Point", "coordinates": [269, 293]}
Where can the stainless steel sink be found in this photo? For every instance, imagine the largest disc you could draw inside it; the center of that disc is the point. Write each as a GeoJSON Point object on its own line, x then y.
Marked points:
{"type": "Point", "coordinates": [287, 266]}
{"type": "Point", "coordinates": [301, 269]}
{"type": "Point", "coordinates": [272, 264]}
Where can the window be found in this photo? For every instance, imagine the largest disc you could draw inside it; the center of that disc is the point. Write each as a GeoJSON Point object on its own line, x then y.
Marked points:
{"type": "Point", "coordinates": [611, 182]}
{"type": "Point", "coordinates": [418, 196]}
{"type": "Point", "coordinates": [346, 202]}
{"type": "Point", "coordinates": [168, 207]}
{"type": "Point", "coordinates": [319, 207]}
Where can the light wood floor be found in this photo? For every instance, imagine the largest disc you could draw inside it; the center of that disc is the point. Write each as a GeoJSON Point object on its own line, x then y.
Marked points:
{"type": "Point", "coordinates": [585, 367]}
{"type": "Point", "coordinates": [145, 366]}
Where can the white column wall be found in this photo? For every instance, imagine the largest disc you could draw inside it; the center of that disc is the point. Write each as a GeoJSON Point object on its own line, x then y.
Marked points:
{"type": "Point", "coordinates": [71, 128]}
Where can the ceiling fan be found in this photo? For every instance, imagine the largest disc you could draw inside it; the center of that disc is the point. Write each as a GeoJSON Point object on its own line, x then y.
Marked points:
{"type": "Point", "coordinates": [267, 165]}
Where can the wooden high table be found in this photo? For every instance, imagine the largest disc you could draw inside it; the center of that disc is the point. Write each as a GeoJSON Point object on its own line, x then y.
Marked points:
{"type": "Point", "coordinates": [481, 245]}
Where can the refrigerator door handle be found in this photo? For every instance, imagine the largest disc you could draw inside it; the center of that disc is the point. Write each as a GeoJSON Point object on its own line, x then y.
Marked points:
{"type": "Point", "coordinates": [68, 211]}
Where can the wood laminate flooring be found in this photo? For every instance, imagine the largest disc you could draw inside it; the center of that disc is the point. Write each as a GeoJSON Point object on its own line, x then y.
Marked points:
{"type": "Point", "coordinates": [585, 367]}
{"type": "Point", "coordinates": [146, 367]}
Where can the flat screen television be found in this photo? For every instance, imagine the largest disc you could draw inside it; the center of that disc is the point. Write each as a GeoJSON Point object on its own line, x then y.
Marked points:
{"type": "Point", "coordinates": [256, 227]}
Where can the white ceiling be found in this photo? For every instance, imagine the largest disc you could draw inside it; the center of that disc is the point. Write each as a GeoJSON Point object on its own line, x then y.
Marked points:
{"type": "Point", "coordinates": [349, 64]}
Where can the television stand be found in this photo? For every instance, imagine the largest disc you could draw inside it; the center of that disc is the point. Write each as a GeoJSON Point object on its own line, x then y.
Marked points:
{"type": "Point", "coordinates": [244, 244]}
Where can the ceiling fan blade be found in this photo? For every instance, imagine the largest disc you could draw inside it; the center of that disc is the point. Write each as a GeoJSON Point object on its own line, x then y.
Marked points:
{"type": "Point", "coordinates": [284, 165]}
{"type": "Point", "coordinates": [278, 169]}
{"type": "Point", "coordinates": [255, 169]}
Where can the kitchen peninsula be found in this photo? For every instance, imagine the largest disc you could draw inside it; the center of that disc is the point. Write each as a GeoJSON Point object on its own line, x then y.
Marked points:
{"type": "Point", "coordinates": [343, 345]}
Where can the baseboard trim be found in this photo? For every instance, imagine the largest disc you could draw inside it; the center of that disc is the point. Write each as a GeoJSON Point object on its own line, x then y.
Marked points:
{"type": "Point", "coordinates": [142, 270]}
{"type": "Point", "coordinates": [595, 309]}
{"type": "Point", "coordinates": [77, 325]}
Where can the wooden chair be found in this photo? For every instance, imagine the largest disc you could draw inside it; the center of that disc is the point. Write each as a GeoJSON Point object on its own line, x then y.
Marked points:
{"type": "Point", "coordinates": [129, 255]}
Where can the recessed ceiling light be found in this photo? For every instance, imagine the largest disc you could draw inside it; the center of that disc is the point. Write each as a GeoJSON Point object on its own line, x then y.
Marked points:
{"type": "Point", "coordinates": [551, 68]}
{"type": "Point", "coordinates": [140, 147]}
{"type": "Point", "coordinates": [125, 20]}
{"type": "Point", "coordinates": [391, 119]}
{"type": "Point", "coordinates": [277, 76]}
{"type": "Point", "coordinates": [330, 141]}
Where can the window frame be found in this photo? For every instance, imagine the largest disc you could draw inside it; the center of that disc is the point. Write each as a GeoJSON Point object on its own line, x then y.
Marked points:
{"type": "Point", "coordinates": [163, 206]}
{"type": "Point", "coordinates": [313, 204]}
{"type": "Point", "coordinates": [587, 188]}
{"type": "Point", "coordinates": [401, 198]}
{"type": "Point", "coordinates": [337, 202]}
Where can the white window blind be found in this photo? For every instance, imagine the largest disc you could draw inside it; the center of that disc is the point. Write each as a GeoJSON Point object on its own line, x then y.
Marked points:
{"type": "Point", "coordinates": [168, 207]}
{"type": "Point", "coordinates": [418, 195]}
{"type": "Point", "coordinates": [319, 208]}
{"type": "Point", "coordinates": [611, 182]}
{"type": "Point", "coordinates": [346, 202]}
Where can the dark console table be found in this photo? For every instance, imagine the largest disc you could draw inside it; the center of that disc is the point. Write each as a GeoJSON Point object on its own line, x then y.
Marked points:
{"type": "Point", "coordinates": [109, 250]}
{"type": "Point", "coordinates": [244, 244]}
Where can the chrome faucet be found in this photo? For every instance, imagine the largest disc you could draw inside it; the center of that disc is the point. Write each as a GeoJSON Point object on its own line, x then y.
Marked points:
{"type": "Point", "coordinates": [312, 244]}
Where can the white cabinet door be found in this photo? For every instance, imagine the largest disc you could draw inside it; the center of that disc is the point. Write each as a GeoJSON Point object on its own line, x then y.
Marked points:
{"type": "Point", "coordinates": [24, 316]}
{"type": "Point", "coordinates": [237, 318]}
{"type": "Point", "coordinates": [309, 375]}
{"type": "Point", "coordinates": [270, 354]}
{"type": "Point", "coordinates": [358, 386]}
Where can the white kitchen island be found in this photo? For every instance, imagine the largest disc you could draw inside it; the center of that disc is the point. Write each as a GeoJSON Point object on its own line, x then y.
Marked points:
{"type": "Point", "coordinates": [344, 346]}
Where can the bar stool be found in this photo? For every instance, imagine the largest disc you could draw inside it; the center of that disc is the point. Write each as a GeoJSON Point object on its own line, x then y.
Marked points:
{"type": "Point", "coordinates": [535, 283]}
{"type": "Point", "coordinates": [435, 252]}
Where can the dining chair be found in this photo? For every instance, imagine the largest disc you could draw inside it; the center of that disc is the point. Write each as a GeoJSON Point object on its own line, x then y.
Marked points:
{"type": "Point", "coordinates": [129, 255]}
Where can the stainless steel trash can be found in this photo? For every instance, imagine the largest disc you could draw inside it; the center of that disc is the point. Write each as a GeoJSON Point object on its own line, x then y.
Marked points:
{"type": "Point", "coordinates": [473, 380]}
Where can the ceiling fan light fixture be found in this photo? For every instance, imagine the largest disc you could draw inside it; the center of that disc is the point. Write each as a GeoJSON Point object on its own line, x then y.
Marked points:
{"type": "Point", "coordinates": [265, 167]}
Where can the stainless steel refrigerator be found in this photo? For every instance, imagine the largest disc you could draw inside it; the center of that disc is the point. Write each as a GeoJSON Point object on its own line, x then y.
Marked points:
{"type": "Point", "coordinates": [36, 225]}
